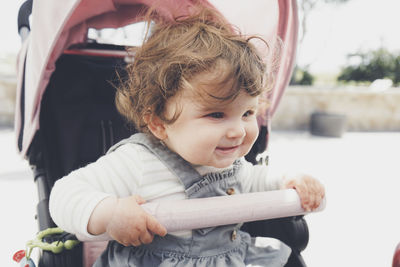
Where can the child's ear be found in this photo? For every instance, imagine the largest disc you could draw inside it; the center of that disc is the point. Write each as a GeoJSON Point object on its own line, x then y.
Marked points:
{"type": "Point", "coordinates": [156, 126]}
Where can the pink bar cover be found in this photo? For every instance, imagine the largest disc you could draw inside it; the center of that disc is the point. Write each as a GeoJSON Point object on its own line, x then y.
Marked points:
{"type": "Point", "coordinates": [214, 211]}
{"type": "Point", "coordinates": [188, 214]}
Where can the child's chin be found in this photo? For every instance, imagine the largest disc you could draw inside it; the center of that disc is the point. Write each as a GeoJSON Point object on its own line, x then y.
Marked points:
{"type": "Point", "coordinates": [221, 165]}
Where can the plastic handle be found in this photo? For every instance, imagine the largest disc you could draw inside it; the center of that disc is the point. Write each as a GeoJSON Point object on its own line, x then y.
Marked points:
{"type": "Point", "coordinates": [208, 212]}
{"type": "Point", "coordinates": [188, 214]}
{"type": "Point", "coordinates": [23, 15]}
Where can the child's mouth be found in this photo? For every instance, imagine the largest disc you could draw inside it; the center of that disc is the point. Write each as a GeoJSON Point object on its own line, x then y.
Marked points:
{"type": "Point", "coordinates": [227, 150]}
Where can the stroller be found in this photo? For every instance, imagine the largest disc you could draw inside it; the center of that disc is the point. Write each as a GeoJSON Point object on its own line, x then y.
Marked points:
{"type": "Point", "coordinates": [66, 117]}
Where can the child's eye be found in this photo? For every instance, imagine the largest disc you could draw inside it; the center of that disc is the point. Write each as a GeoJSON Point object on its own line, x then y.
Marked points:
{"type": "Point", "coordinates": [248, 113]}
{"type": "Point", "coordinates": [216, 115]}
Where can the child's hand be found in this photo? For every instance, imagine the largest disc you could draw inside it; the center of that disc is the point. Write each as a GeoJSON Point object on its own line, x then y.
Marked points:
{"type": "Point", "coordinates": [310, 190]}
{"type": "Point", "coordinates": [131, 225]}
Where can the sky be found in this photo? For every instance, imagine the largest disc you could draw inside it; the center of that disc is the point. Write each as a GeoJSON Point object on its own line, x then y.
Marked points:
{"type": "Point", "coordinates": [334, 31]}
{"type": "Point", "coordinates": [358, 25]}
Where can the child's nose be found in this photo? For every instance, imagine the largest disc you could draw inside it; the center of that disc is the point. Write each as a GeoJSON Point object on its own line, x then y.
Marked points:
{"type": "Point", "coordinates": [236, 130]}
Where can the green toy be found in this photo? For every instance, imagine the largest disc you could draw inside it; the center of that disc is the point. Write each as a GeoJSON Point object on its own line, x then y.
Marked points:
{"type": "Point", "coordinates": [55, 247]}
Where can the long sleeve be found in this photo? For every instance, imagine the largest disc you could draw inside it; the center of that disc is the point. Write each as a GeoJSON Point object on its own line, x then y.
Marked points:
{"type": "Point", "coordinates": [255, 178]}
{"type": "Point", "coordinates": [74, 197]}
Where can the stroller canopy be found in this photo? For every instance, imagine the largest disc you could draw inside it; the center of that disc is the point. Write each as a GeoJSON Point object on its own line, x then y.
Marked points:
{"type": "Point", "coordinates": [56, 25]}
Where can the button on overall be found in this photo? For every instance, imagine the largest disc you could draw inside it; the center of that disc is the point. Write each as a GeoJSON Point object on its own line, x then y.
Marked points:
{"type": "Point", "coordinates": [233, 235]}
{"type": "Point", "coordinates": [230, 191]}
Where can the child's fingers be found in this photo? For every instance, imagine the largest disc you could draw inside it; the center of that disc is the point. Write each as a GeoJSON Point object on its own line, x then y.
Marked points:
{"type": "Point", "coordinates": [137, 236]}
{"type": "Point", "coordinates": [146, 237]}
{"type": "Point", "coordinates": [305, 197]}
{"type": "Point", "coordinates": [311, 192]}
{"type": "Point", "coordinates": [140, 236]}
{"type": "Point", "coordinates": [318, 191]}
{"type": "Point", "coordinates": [318, 201]}
{"type": "Point", "coordinates": [135, 243]}
{"type": "Point", "coordinates": [155, 227]}
{"type": "Point", "coordinates": [315, 193]}
{"type": "Point", "coordinates": [139, 200]}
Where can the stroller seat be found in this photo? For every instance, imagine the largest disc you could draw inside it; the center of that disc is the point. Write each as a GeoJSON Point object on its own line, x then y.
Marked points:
{"type": "Point", "coordinates": [78, 122]}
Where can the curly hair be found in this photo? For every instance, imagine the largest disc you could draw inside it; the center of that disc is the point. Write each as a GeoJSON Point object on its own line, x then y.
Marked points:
{"type": "Point", "coordinates": [175, 54]}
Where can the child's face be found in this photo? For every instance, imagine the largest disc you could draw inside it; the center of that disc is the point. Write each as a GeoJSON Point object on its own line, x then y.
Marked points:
{"type": "Point", "coordinates": [212, 135]}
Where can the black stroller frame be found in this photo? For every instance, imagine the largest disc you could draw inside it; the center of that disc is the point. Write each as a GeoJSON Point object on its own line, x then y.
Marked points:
{"type": "Point", "coordinates": [79, 122]}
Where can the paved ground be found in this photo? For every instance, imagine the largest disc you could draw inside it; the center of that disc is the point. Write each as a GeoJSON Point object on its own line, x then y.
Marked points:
{"type": "Point", "coordinates": [361, 172]}
{"type": "Point", "coordinates": [17, 200]}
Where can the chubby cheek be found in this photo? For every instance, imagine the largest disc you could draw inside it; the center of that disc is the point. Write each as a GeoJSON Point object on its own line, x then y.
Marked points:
{"type": "Point", "coordinates": [196, 146]}
{"type": "Point", "coordinates": [196, 153]}
{"type": "Point", "coordinates": [206, 141]}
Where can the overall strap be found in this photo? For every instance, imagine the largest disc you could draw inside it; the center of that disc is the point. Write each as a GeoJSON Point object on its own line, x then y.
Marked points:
{"type": "Point", "coordinates": [175, 163]}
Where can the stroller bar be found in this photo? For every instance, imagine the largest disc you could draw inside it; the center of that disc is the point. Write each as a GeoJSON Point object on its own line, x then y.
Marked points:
{"type": "Point", "coordinates": [98, 53]}
{"type": "Point", "coordinates": [214, 211]}
{"type": "Point", "coordinates": [43, 216]}
{"type": "Point", "coordinates": [188, 214]}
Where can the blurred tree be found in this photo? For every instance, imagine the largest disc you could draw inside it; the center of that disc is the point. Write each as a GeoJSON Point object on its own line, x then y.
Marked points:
{"type": "Point", "coordinates": [377, 64]}
{"type": "Point", "coordinates": [301, 76]}
{"type": "Point", "coordinates": [396, 74]}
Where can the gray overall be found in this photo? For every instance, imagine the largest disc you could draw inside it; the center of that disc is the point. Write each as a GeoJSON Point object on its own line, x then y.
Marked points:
{"type": "Point", "coordinates": [216, 246]}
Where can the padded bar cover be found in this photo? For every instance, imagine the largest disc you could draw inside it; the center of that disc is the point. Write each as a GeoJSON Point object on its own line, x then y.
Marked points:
{"type": "Point", "coordinates": [177, 215]}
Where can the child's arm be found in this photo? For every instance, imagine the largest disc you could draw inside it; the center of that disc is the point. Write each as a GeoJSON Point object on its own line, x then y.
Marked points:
{"type": "Point", "coordinates": [90, 193]}
{"type": "Point", "coordinates": [309, 189]}
{"type": "Point", "coordinates": [125, 221]}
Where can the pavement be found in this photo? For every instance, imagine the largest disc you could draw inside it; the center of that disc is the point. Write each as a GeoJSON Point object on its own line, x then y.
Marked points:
{"type": "Point", "coordinates": [361, 173]}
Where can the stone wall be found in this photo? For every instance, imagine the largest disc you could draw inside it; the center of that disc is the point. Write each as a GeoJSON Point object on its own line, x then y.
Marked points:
{"type": "Point", "coordinates": [365, 109]}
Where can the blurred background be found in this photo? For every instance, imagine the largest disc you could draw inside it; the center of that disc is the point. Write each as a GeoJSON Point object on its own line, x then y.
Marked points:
{"type": "Point", "coordinates": [339, 120]}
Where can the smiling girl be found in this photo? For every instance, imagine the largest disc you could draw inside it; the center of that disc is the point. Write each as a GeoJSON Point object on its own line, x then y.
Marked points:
{"type": "Point", "coordinates": [193, 92]}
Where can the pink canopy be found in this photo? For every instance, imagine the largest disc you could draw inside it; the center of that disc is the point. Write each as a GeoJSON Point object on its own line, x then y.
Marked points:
{"type": "Point", "coordinates": [56, 25]}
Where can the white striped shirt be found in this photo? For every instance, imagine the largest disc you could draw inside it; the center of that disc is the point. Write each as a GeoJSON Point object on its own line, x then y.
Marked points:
{"type": "Point", "coordinates": [130, 170]}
